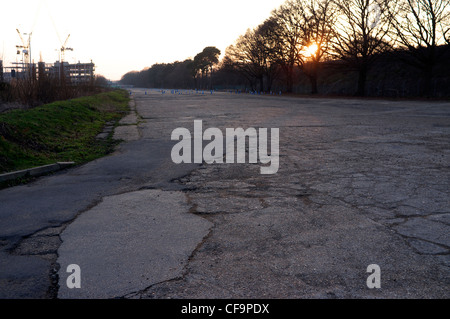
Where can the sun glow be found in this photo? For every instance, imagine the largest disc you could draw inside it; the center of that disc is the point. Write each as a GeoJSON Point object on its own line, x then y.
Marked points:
{"type": "Point", "coordinates": [312, 49]}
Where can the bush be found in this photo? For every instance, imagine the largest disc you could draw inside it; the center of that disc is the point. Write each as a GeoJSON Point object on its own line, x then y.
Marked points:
{"type": "Point", "coordinates": [32, 92]}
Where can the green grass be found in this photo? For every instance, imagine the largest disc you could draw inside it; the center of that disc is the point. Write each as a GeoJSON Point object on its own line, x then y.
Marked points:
{"type": "Point", "coordinates": [60, 131]}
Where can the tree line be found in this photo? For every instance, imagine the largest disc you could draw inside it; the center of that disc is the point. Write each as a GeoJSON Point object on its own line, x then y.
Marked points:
{"type": "Point", "coordinates": [191, 73]}
{"type": "Point", "coordinates": [354, 46]}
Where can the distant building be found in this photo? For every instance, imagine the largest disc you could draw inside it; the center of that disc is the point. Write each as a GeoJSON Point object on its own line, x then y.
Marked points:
{"type": "Point", "coordinates": [74, 73]}
{"type": "Point", "coordinates": [77, 73]}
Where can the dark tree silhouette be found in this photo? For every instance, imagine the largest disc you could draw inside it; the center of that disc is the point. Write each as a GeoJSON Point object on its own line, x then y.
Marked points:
{"type": "Point", "coordinates": [420, 26]}
{"type": "Point", "coordinates": [269, 46]}
{"type": "Point", "coordinates": [363, 36]}
{"type": "Point", "coordinates": [252, 55]}
{"type": "Point", "coordinates": [290, 34]}
{"type": "Point", "coordinates": [361, 33]}
{"type": "Point", "coordinates": [205, 61]}
{"type": "Point", "coordinates": [319, 17]}
{"type": "Point", "coordinates": [172, 75]}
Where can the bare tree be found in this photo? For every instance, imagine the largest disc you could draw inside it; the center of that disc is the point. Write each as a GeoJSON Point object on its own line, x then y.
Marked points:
{"type": "Point", "coordinates": [361, 33]}
{"type": "Point", "coordinates": [252, 55]}
{"type": "Point", "coordinates": [290, 34]}
{"type": "Point", "coordinates": [268, 45]}
{"type": "Point", "coordinates": [245, 58]}
{"type": "Point", "coordinates": [420, 27]}
{"type": "Point", "coordinates": [319, 17]}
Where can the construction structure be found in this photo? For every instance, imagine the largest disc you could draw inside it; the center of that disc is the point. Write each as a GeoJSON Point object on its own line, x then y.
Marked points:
{"type": "Point", "coordinates": [24, 68]}
{"type": "Point", "coordinates": [77, 73]}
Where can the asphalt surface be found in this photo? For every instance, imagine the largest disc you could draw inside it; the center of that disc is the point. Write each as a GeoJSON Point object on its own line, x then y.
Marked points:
{"type": "Point", "coordinates": [360, 182]}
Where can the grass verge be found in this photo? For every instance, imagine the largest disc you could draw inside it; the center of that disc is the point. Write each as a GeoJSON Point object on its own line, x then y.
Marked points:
{"type": "Point", "coordinates": [60, 131]}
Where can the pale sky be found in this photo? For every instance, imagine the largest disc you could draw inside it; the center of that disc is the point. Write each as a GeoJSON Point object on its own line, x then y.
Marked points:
{"type": "Point", "coordinates": [123, 36]}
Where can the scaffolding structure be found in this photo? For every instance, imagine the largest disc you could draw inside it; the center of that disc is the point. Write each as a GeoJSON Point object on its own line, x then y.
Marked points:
{"type": "Point", "coordinates": [78, 73]}
{"type": "Point", "coordinates": [24, 68]}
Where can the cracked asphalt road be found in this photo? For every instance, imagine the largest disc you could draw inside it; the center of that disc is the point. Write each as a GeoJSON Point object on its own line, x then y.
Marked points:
{"type": "Point", "coordinates": [360, 182]}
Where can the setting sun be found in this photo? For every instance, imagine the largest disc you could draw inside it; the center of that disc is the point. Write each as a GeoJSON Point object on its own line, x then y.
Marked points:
{"type": "Point", "coordinates": [312, 49]}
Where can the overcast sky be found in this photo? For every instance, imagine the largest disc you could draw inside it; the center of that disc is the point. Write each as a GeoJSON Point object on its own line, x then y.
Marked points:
{"type": "Point", "coordinates": [122, 36]}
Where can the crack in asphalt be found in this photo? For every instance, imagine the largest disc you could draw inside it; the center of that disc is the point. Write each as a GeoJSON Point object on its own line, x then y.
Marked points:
{"type": "Point", "coordinates": [335, 180]}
